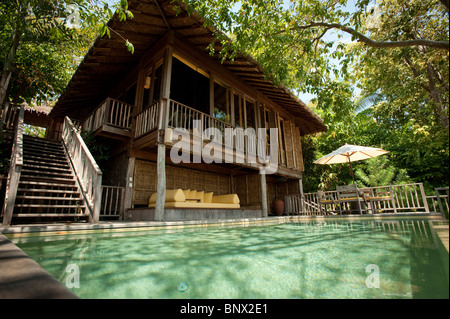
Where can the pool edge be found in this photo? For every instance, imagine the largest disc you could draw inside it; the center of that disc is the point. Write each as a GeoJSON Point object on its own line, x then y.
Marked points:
{"type": "Point", "coordinates": [107, 226]}
{"type": "Point", "coordinates": [23, 278]}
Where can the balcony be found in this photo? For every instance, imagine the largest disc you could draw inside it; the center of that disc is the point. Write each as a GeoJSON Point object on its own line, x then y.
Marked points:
{"type": "Point", "coordinates": [112, 118]}
{"type": "Point", "coordinates": [234, 143]}
{"type": "Point", "coordinates": [166, 118]}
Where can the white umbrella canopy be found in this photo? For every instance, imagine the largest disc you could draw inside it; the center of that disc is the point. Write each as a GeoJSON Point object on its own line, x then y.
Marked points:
{"type": "Point", "coordinates": [350, 153]}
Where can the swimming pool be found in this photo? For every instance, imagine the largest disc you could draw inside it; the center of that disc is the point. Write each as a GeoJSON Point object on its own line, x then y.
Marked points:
{"type": "Point", "coordinates": [304, 259]}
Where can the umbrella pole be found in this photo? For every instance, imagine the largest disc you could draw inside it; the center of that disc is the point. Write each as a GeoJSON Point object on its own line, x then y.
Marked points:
{"type": "Point", "coordinates": [351, 169]}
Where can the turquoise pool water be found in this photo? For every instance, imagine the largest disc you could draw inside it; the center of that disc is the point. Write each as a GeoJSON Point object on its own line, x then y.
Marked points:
{"type": "Point", "coordinates": [370, 259]}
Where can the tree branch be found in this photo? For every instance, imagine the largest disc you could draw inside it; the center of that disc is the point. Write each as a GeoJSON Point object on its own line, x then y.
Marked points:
{"type": "Point", "coordinates": [443, 45]}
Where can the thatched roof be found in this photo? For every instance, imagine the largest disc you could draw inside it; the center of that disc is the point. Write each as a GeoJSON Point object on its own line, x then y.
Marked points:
{"type": "Point", "coordinates": [108, 62]}
{"type": "Point", "coordinates": [37, 115]}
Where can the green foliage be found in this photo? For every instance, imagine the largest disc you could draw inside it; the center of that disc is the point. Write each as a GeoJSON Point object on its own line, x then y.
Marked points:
{"type": "Point", "coordinates": [99, 150]}
{"type": "Point", "coordinates": [5, 152]}
{"type": "Point", "coordinates": [34, 131]}
{"type": "Point", "coordinates": [43, 41]}
{"type": "Point", "coordinates": [379, 171]}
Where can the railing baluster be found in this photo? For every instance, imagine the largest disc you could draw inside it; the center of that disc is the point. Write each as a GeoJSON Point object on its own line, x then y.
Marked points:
{"type": "Point", "coordinates": [86, 169]}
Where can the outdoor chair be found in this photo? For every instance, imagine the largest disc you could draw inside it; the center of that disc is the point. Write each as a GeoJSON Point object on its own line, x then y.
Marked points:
{"type": "Point", "coordinates": [374, 199]}
{"type": "Point", "coordinates": [327, 200]}
{"type": "Point", "coordinates": [350, 198]}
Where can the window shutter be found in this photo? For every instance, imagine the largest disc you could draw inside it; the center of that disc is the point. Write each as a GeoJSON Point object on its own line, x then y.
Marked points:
{"type": "Point", "coordinates": [288, 144]}
{"type": "Point", "coordinates": [298, 149]}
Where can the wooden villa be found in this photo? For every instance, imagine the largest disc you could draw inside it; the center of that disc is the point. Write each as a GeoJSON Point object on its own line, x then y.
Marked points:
{"type": "Point", "coordinates": [134, 103]}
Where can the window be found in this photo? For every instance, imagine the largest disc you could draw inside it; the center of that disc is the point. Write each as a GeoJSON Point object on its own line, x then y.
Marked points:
{"type": "Point", "coordinates": [237, 110]}
{"type": "Point", "coordinates": [221, 109]}
{"type": "Point", "coordinates": [189, 86]}
{"type": "Point", "coordinates": [250, 114]}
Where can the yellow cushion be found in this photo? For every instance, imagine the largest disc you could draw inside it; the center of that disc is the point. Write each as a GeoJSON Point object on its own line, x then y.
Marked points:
{"type": "Point", "coordinates": [348, 198]}
{"type": "Point", "coordinates": [207, 197]}
{"type": "Point", "coordinates": [192, 195]}
{"type": "Point", "coordinates": [226, 199]}
{"type": "Point", "coordinates": [379, 198]}
{"type": "Point", "coordinates": [186, 192]}
{"type": "Point", "coordinates": [200, 195]}
{"type": "Point", "coordinates": [172, 195]}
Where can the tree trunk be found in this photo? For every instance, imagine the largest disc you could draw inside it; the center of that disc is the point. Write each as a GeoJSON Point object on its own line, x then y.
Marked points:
{"type": "Point", "coordinates": [436, 95]}
{"type": "Point", "coordinates": [10, 59]}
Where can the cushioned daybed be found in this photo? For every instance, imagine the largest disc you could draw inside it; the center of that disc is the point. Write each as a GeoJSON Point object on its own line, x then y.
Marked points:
{"type": "Point", "coordinates": [178, 198]}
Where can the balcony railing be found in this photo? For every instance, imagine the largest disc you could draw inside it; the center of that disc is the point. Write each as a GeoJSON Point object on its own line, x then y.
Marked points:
{"type": "Point", "coordinates": [179, 116]}
{"type": "Point", "coordinates": [110, 112]}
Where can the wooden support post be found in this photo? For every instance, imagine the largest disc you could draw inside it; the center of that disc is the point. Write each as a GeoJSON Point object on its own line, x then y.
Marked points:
{"type": "Point", "coordinates": [424, 198]}
{"type": "Point", "coordinates": [300, 185]}
{"type": "Point", "coordinates": [302, 196]}
{"type": "Point", "coordinates": [262, 177]}
{"type": "Point", "coordinates": [161, 182]}
{"type": "Point", "coordinates": [128, 197]}
{"type": "Point", "coordinates": [161, 155]}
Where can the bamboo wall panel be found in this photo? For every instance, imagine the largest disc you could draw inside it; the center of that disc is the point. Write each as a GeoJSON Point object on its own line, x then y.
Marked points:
{"type": "Point", "coordinates": [176, 177]}
{"type": "Point", "coordinates": [144, 182]}
{"type": "Point", "coordinates": [293, 187]}
{"type": "Point", "coordinates": [240, 188]}
{"type": "Point", "coordinates": [298, 149]}
{"type": "Point", "coordinates": [271, 195]}
{"type": "Point", "coordinates": [287, 131]}
{"type": "Point", "coordinates": [254, 190]}
{"type": "Point", "coordinates": [248, 188]}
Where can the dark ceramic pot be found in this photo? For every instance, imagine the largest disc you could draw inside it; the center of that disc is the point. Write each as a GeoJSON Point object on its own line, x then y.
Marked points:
{"type": "Point", "coordinates": [278, 207]}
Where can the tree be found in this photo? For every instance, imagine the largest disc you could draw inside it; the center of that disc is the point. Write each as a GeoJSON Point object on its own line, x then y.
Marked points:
{"type": "Point", "coordinates": [379, 172]}
{"type": "Point", "coordinates": [410, 78]}
{"type": "Point", "coordinates": [398, 54]}
{"type": "Point", "coordinates": [290, 37]}
{"type": "Point", "coordinates": [44, 27]}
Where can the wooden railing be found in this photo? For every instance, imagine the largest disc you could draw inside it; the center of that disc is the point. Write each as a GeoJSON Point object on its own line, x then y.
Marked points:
{"type": "Point", "coordinates": [408, 198]}
{"type": "Point", "coordinates": [110, 112]}
{"type": "Point", "coordinates": [439, 201]}
{"type": "Point", "coordinates": [177, 115]}
{"type": "Point", "coordinates": [112, 201]}
{"type": "Point", "coordinates": [15, 169]}
{"type": "Point", "coordinates": [147, 120]}
{"type": "Point", "coordinates": [9, 114]}
{"type": "Point", "coordinates": [86, 169]}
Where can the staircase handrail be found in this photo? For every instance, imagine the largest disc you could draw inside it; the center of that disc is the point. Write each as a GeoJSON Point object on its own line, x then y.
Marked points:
{"type": "Point", "coordinates": [15, 169]}
{"type": "Point", "coordinates": [88, 173]}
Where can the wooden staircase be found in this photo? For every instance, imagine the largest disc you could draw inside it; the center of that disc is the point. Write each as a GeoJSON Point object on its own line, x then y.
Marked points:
{"type": "Point", "coordinates": [48, 188]}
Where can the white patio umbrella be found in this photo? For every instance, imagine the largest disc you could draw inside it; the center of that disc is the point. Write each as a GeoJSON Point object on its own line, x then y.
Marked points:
{"type": "Point", "coordinates": [350, 153]}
